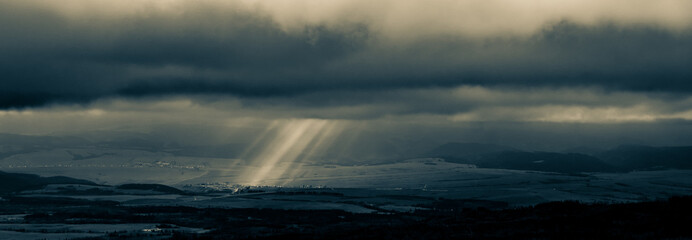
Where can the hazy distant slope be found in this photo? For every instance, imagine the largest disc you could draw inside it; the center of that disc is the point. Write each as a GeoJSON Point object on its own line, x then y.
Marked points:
{"type": "Point", "coordinates": [546, 161]}
{"type": "Point", "coordinates": [41, 141]}
{"type": "Point", "coordinates": [498, 156]}
{"type": "Point", "coordinates": [591, 151]}
{"type": "Point", "coordinates": [153, 187]}
{"type": "Point", "coordinates": [466, 152]}
{"type": "Point", "coordinates": [633, 157]}
{"type": "Point", "coordinates": [12, 182]}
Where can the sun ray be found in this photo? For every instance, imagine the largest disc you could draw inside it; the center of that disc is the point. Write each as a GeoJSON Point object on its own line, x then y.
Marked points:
{"type": "Point", "coordinates": [278, 154]}
{"type": "Point", "coordinates": [319, 144]}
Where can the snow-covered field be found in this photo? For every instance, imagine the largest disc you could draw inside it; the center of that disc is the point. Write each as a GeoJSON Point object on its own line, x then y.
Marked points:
{"type": "Point", "coordinates": [417, 177]}
{"type": "Point", "coordinates": [426, 177]}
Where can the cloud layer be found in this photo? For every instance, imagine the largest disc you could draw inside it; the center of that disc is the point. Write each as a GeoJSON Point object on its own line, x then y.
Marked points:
{"type": "Point", "coordinates": [397, 73]}
{"type": "Point", "coordinates": [80, 51]}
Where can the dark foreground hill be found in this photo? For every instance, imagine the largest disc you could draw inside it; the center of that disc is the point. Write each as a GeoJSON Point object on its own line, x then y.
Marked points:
{"type": "Point", "coordinates": [36, 216]}
{"type": "Point", "coordinates": [446, 219]}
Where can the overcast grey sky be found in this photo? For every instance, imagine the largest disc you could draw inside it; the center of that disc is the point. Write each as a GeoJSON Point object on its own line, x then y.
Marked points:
{"type": "Point", "coordinates": [540, 74]}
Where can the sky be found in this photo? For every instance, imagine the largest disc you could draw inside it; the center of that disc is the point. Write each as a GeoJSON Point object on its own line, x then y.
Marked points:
{"type": "Point", "coordinates": [390, 76]}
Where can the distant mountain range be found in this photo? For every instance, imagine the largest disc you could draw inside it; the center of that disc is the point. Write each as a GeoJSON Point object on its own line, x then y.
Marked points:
{"type": "Point", "coordinates": [622, 158]}
{"type": "Point", "coordinates": [13, 182]}
{"type": "Point", "coordinates": [579, 159]}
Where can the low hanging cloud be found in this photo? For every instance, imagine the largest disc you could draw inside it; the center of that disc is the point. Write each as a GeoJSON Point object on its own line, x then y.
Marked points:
{"type": "Point", "coordinates": [434, 106]}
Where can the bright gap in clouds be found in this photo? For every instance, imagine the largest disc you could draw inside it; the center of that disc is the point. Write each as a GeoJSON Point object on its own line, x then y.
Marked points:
{"type": "Point", "coordinates": [277, 156]}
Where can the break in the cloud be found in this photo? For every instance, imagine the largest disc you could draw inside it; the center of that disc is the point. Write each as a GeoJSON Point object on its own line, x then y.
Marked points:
{"type": "Point", "coordinates": [80, 51]}
{"type": "Point", "coordinates": [378, 126]}
{"type": "Point", "coordinates": [436, 106]}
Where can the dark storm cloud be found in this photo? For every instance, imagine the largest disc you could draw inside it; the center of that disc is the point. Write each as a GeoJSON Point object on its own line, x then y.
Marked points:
{"type": "Point", "coordinates": [47, 57]}
{"type": "Point", "coordinates": [51, 57]}
{"type": "Point", "coordinates": [632, 58]}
